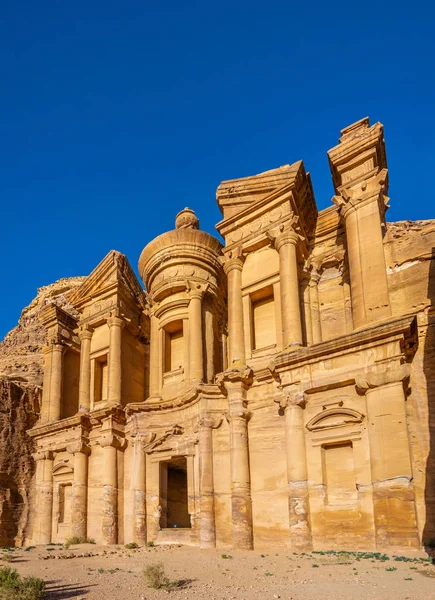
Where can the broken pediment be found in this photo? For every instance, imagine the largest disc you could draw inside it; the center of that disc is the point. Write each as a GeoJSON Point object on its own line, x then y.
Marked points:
{"type": "Point", "coordinates": [63, 468]}
{"type": "Point", "coordinates": [248, 198]}
{"type": "Point", "coordinates": [113, 274]}
{"type": "Point", "coordinates": [334, 417]}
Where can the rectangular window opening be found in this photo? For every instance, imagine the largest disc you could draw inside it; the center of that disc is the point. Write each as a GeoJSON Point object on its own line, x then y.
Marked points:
{"type": "Point", "coordinates": [101, 371]}
{"type": "Point", "coordinates": [174, 346]}
{"type": "Point", "coordinates": [263, 319]}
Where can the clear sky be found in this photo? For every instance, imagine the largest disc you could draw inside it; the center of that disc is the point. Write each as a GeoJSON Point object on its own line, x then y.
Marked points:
{"type": "Point", "coordinates": [116, 115]}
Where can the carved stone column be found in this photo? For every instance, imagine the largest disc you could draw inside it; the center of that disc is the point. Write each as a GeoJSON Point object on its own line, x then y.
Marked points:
{"type": "Point", "coordinates": [285, 244]}
{"type": "Point", "coordinates": [110, 443]}
{"type": "Point", "coordinates": [347, 299]}
{"type": "Point", "coordinates": [236, 382]}
{"type": "Point", "coordinates": [196, 355]}
{"type": "Point", "coordinates": [79, 508]}
{"type": "Point", "coordinates": [236, 334]}
{"type": "Point", "coordinates": [207, 519]}
{"type": "Point", "coordinates": [116, 325]}
{"type": "Point", "coordinates": [45, 402]}
{"type": "Point", "coordinates": [44, 497]}
{"type": "Point", "coordinates": [390, 459]}
{"type": "Point", "coordinates": [360, 176]}
{"type": "Point", "coordinates": [362, 207]}
{"type": "Point", "coordinates": [139, 492]}
{"type": "Point", "coordinates": [52, 385]}
{"type": "Point", "coordinates": [155, 359]}
{"type": "Point", "coordinates": [293, 404]}
{"type": "Point", "coordinates": [315, 308]}
{"type": "Point", "coordinates": [306, 312]}
{"type": "Point", "coordinates": [85, 334]}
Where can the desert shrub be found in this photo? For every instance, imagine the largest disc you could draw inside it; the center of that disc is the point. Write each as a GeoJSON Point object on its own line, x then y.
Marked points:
{"type": "Point", "coordinates": [131, 546]}
{"type": "Point", "coordinates": [150, 544]}
{"type": "Point", "coordinates": [155, 576]}
{"type": "Point", "coordinates": [75, 539]}
{"type": "Point", "coordinates": [226, 556]}
{"type": "Point", "coordinates": [7, 557]}
{"type": "Point", "coordinates": [8, 577]}
{"type": "Point", "coordinates": [13, 587]}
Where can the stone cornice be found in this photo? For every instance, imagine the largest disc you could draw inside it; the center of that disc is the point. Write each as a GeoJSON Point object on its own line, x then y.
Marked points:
{"type": "Point", "coordinates": [403, 329]}
{"type": "Point", "coordinates": [55, 426]}
{"type": "Point", "coordinates": [53, 314]}
{"type": "Point", "coordinates": [375, 377]}
{"type": "Point", "coordinates": [359, 155]}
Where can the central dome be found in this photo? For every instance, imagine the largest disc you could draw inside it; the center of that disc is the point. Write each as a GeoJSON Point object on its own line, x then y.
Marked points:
{"type": "Point", "coordinates": [184, 254]}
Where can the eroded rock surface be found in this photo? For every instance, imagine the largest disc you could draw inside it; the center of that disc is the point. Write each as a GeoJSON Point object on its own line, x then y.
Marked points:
{"type": "Point", "coordinates": [21, 368]}
{"type": "Point", "coordinates": [21, 350]}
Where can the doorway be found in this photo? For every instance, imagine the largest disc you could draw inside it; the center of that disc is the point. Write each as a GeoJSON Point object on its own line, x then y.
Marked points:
{"type": "Point", "coordinates": [173, 494]}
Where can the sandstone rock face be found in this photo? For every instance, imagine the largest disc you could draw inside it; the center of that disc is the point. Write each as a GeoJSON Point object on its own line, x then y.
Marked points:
{"type": "Point", "coordinates": [19, 408]}
{"type": "Point", "coordinates": [21, 368]}
{"type": "Point", "coordinates": [21, 350]}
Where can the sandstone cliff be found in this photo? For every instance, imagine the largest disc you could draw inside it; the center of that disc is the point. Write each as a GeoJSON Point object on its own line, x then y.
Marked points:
{"type": "Point", "coordinates": [21, 371]}
{"type": "Point", "coordinates": [21, 350]}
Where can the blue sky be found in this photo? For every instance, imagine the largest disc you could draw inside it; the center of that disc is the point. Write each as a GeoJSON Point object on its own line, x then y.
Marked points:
{"type": "Point", "coordinates": [116, 115]}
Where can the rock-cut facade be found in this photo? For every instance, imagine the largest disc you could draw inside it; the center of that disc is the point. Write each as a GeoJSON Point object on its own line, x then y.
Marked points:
{"type": "Point", "coordinates": [275, 391]}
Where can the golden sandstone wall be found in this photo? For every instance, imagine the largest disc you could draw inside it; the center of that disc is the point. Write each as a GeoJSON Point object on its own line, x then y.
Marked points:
{"type": "Point", "coordinates": [274, 391]}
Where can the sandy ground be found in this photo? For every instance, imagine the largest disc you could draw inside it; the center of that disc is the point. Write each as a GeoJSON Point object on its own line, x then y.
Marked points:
{"type": "Point", "coordinates": [116, 574]}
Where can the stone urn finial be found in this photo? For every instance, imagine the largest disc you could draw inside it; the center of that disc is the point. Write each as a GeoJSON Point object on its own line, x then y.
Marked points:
{"type": "Point", "coordinates": [186, 219]}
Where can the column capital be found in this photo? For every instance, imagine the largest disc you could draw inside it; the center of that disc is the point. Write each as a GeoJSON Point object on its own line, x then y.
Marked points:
{"type": "Point", "coordinates": [290, 399]}
{"type": "Point", "coordinates": [85, 332]}
{"type": "Point", "coordinates": [244, 375]}
{"type": "Point", "coordinates": [53, 345]}
{"type": "Point", "coordinates": [209, 421]}
{"type": "Point", "coordinates": [196, 290]}
{"type": "Point", "coordinates": [233, 260]}
{"type": "Point", "coordinates": [286, 238]}
{"type": "Point", "coordinates": [78, 447]}
{"type": "Point", "coordinates": [315, 277]}
{"type": "Point", "coordinates": [372, 190]}
{"type": "Point", "coordinates": [375, 377]}
{"type": "Point", "coordinates": [238, 414]}
{"type": "Point", "coordinates": [285, 234]}
{"type": "Point", "coordinates": [142, 440]}
{"type": "Point", "coordinates": [115, 321]}
{"type": "Point", "coordinates": [109, 439]}
{"type": "Point", "coordinates": [43, 455]}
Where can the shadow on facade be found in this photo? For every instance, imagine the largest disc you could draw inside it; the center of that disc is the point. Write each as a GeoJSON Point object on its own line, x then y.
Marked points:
{"type": "Point", "coordinates": [429, 372]}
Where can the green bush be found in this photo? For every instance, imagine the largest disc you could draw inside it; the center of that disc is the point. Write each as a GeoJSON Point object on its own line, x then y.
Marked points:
{"type": "Point", "coordinates": [131, 546]}
{"type": "Point", "coordinates": [75, 539]}
{"type": "Point", "coordinates": [13, 587]}
{"type": "Point", "coordinates": [8, 576]}
{"type": "Point", "coordinates": [150, 544]}
{"type": "Point", "coordinates": [7, 557]}
{"type": "Point", "coordinates": [155, 577]}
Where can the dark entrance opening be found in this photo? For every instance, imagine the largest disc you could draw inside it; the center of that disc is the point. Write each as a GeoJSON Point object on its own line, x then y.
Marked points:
{"type": "Point", "coordinates": [173, 493]}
